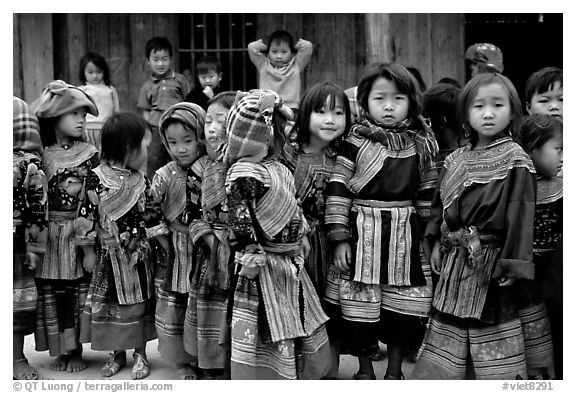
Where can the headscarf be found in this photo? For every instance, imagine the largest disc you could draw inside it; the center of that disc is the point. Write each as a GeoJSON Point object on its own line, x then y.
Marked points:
{"type": "Point", "coordinates": [59, 98]}
{"type": "Point", "coordinates": [249, 125]}
{"type": "Point", "coordinates": [26, 134]}
{"type": "Point", "coordinates": [191, 115]}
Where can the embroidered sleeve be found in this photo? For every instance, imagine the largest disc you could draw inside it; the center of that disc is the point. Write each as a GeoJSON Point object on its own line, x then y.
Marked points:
{"type": "Point", "coordinates": [339, 197]}
{"type": "Point", "coordinates": [425, 193]}
{"type": "Point", "coordinates": [432, 230]}
{"type": "Point", "coordinates": [85, 225]}
{"type": "Point", "coordinates": [242, 193]}
{"type": "Point", "coordinates": [34, 214]}
{"type": "Point", "coordinates": [153, 216]}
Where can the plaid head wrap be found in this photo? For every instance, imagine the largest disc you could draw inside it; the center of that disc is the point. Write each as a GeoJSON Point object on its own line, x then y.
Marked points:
{"type": "Point", "coordinates": [191, 115]}
{"type": "Point", "coordinates": [26, 135]}
{"type": "Point", "coordinates": [249, 125]}
{"type": "Point", "coordinates": [59, 98]}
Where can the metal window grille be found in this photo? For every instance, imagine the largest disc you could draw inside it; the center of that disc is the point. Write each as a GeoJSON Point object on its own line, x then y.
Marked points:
{"type": "Point", "coordinates": [224, 36]}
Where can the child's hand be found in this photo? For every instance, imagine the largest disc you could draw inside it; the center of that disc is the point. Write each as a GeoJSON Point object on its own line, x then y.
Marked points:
{"type": "Point", "coordinates": [208, 92]}
{"type": "Point", "coordinates": [32, 260]}
{"type": "Point", "coordinates": [506, 281]}
{"type": "Point", "coordinates": [210, 240]}
{"type": "Point", "coordinates": [435, 258]}
{"type": "Point", "coordinates": [343, 256]}
{"type": "Point", "coordinates": [305, 246]}
{"type": "Point", "coordinates": [89, 260]}
{"type": "Point", "coordinates": [249, 272]}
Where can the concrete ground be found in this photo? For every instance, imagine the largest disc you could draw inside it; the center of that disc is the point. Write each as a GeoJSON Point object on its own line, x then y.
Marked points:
{"type": "Point", "coordinates": [160, 370]}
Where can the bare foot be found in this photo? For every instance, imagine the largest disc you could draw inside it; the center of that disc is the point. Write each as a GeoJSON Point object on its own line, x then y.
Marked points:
{"type": "Point", "coordinates": [76, 363]}
{"type": "Point", "coordinates": [22, 370]}
{"type": "Point", "coordinates": [185, 371]}
{"type": "Point", "coordinates": [60, 363]}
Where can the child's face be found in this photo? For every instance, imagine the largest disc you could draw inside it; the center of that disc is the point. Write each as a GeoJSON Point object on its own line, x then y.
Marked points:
{"type": "Point", "coordinates": [211, 79]}
{"type": "Point", "coordinates": [93, 74]}
{"type": "Point", "coordinates": [489, 112]}
{"type": "Point", "coordinates": [548, 158]}
{"type": "Point", "coordinates": [279, 53]}
{"type": "Point", "coordinates": [70, 125]}
{"type": "Point", "coordinates": [386, 104]}
{"type": "Point", "coordinates": [137, 159]}
{"type": "Point", "coordinates": [159, 61]}
{"type": "Point", "coordinates": [327, 124]}
{"type": "Point", "coordinates": [214, 125]}
{"type": "Point", "coordinates": [182, 144]}
{"type": "Point", "coordinates": [548, 103]}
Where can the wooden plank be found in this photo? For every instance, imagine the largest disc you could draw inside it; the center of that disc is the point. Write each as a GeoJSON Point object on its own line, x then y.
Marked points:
{"type": "Point", "coordinates": [378, 38]}
{"type": "Point", "coordinates": [17, 79]}
{"type": "Point", "coordinates": [76, 44]}
{"type": "Point", "coordinates": [140, 33]}
{"type": "Point", "coordinates": [119, 57]}
{"type": "Point", "coordinates": [37, 53]}
{"type": "Point", "coordinates": [447, 47]}
{"type": "Point", "coordinates": [97, 34]}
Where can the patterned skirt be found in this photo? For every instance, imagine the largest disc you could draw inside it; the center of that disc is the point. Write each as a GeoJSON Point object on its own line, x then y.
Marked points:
{"type": "Point", "coordinates": [318, 260]}
{"type": "Point", "coordinates": [58, 323]}
{"type": "Point", "coordinates": [24, 293]}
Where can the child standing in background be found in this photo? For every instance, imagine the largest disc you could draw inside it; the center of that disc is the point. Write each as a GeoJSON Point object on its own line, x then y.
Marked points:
{"type": "Point", "coordinates": [164, 89]}
{"type": "Point", "coordinates": [29, 230]}
{"type": "Point", "coordinates": [280, 64]}
{"type": "Point", "coordinates": [61, 280]}
{"type": "Point", "coordinates": [210, 283]}
{"type": "Point", "coordinates": [541, 137]}
{"type": "Point", "coordinates": [277, 323]}
{"type": "Point", "coordinates": [545, 93]}
{"type": "Point", "coordinates": [209, 75]}
{"type": "Point", "coordinates": [321, 124]}
{"type": "Point", "coordinates": [482, 231]}
{"type": "Point", "coordinates": [119, 210]}
{"type": "Point", "coordinates": [95, 77]}
{"type": "Point", "coordinates": [176, 186]}
{"type": "Point", "coordinates": [378, 197]}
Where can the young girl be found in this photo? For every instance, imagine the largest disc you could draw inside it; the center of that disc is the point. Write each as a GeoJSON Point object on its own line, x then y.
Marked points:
{"type": "Point", "coordinates": [277, 323]}
{"type": "Point", "coordinates": [176, 186]}
{"type": "Point", "coordinates": [541, 137]}
{"type": "Point", "coordinates": [280, 63]}
{"type": "Point", "coordinates": [210, 283]}
{"type": "Point", "coordinates": [321, 124]}
{"type": "Point", "coordinates": [120, 211]}
{"type": "Point", "coordinates": [379, 192]}
{"type": "Point", "coordinates": [61, 281]}
{"type": "Point", "coordinates": [94, 75]}
{"type": "Point", "coordinates": [29, 230]}
{"type": "Point", "coordinates": [484, 223]}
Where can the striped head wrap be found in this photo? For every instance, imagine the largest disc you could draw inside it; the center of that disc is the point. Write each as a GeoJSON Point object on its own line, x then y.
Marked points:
{"type": "Point", "coordinates": [26, 135]}
{"type": "Point", "coordinates": [249, 125]}
{"type": "Point", "coordinates": [59, 98]}
{"type": "Point", "coordinates": [191, 115]}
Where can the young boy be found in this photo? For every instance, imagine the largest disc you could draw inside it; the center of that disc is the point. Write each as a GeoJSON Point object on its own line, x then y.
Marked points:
{"type": "Point", "coordinates": [209, 73]}
{"type": "Point", "coordinates": [280, 63]}
{"type": "Point", "coordinates": [164, 89]}
{"type": "Point", "coordinates": [544, 92]}
{"type": "Point", "coordinates": [484, 57]}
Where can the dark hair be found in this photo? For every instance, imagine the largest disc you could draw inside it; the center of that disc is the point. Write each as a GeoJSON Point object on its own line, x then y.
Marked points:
{"type": "Point", "coordinates": [47, 127]}
{"type": "Point", "coordinates": [122, 135]}
{"type": "Point", "coordinates": [158, 43]}
{"type": "Point", "coordinates": [440, 104]}
{"type": "Point", "coordinates": [450, 81]}
{"type": "Point", "coordinates": [312, 101]}
{"type": "Point", "coordinates": [536, 129]}
{"type": "Point", "coordinates": [281, 36]}
{"type": "Point", "coordinates": [541, 81]}
{"type": "Point", "coordinates": [469, 93]}
{"type": "Point", "coordinates": [208, 63]}
{"type": "Point", "coordinates": [402, 79]}
{"type": "Point", "coordinates": [225, 98]}
{"type": "Point", "coordinates": [99, 62]}
{"type": "Point", "coordinates": [416, 74]}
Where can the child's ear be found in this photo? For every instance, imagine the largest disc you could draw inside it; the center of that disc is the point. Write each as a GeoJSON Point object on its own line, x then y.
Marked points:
{"type": "Point", "coordinates": [528, 107]}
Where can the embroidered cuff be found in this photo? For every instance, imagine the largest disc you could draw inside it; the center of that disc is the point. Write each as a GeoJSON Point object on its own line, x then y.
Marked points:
{"type": "Point", "coordinates": [250, 260]}
{"type": "Point", "coordinates": [338, 235]}
{"type": "Point", "coordinates": [514, 268]}
{"type": "Point", "coordinates": [89, 240]}
{"type": "Point", "coordinates": [199, 228]}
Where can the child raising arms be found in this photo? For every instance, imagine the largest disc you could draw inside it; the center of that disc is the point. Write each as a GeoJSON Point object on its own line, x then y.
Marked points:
{"type": "Point", "coordinates": [61, 280]}
{"type": "Point", "coordinates": [484, 224]}
{"type": "Point", "coordinates": [280, 63]}
{"type": "Point", "coordinates": [379, 192]}
{"type": "Point", "coordinates": [95, 77]}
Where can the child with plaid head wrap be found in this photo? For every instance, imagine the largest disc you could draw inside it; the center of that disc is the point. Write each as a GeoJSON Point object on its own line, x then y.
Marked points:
{"type": "Point", "coordinates": [277, 324]}
{"type": "Point", "coordinates": [29, 229]}
{"type": "Point", "coordinates": [62, 281]}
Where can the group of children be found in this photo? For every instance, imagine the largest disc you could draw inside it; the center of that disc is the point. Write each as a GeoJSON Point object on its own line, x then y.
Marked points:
{"type": "Point", "coordinates": [283, 231]}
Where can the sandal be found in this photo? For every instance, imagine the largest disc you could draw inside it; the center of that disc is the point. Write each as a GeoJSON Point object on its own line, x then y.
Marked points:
{"type": "Point", "coordinates": [363, 376]}
{"type": "Point", "coordinates": [26, 371]}
{"type": "Point", "coordinates": [141, 367]}
{"type": "Point", "coordinates": [115, 363]}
